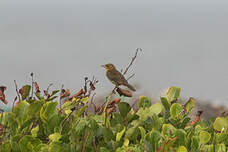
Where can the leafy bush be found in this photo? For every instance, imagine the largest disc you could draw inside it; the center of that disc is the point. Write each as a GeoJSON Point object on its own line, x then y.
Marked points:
{"type": "Point", "coordinates": [38, 125]}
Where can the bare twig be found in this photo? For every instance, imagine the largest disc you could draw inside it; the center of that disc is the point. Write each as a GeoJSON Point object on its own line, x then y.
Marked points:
{"type": "Point", "coordinates": [91, 85]}
{"type": "Point", "coordinates": [15, 99]}
{"type": "Point", "coordinates": [32, 85]}
{"type": "Point", "coordinates": [49, 86]}
{"type": "Point", "coordinates": [114, 90]}
{"type": "Point", "coordinates": [131, 76]}
{"type": "Point", "coordinates": [86, 141]}
{"type": "Point", "coordinates": [85, 85]}
{"type": "Point", "coordinates": [17, 90]}
{"type": "Point", "coordinates": [60, 103]}
{"type": "Point", "coordinates": [132, 60]}
{"type": "Point", "coordinates": [94, 106]}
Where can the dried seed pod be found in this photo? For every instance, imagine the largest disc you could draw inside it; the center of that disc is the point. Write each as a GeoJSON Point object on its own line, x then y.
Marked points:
{"type": "Point", "coordinates": [196, 118]}
{"type": "Point", "coordinates": [37, 87]}
{"type": "Point", "coordinates": [115, 101]}
{"type": "Point", "coordinates": [2, 95]}
{"type": "Point", "coordinates": [66, 93]}
{"type": "Point", "coordinates": [123, 92]}
{"type": "Point", "coordinates": [79, 93]}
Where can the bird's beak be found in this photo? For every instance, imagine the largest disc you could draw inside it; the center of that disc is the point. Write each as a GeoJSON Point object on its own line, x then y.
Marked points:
{"type": "Point", "coordinates": [103, 66]}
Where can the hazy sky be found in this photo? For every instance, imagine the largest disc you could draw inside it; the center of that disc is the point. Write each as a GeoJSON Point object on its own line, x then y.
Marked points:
{"type": "Point", "coordinates": [185, 43]}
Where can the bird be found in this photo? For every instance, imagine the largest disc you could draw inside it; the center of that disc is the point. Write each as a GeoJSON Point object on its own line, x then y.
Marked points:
{"type": "Point", "coordinates": [116, 77]}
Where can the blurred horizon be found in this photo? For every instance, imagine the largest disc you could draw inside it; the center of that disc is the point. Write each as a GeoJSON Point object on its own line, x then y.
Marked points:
{"type": "Point", "coordinates": [184, 44]}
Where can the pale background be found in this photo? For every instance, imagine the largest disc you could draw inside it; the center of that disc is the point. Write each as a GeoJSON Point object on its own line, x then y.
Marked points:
{"type": "Point", "coordinates": [185, 43]}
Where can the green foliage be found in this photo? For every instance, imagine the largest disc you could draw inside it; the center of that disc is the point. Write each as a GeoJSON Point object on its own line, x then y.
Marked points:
{"type": "Point", "coordinates": [38, 125]}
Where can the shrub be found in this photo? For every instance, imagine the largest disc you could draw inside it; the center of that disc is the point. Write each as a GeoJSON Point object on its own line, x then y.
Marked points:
{"type": "Point", "coordinates": [38, 125]}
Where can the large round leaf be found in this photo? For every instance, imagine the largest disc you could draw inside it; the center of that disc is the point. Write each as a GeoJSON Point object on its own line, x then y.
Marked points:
{"type": "Point", "coordinates": [221, 123]}
{"type": "Point", "coordinates": [204, 137]}
{"type": "Point", "coordinates": [175, 111]}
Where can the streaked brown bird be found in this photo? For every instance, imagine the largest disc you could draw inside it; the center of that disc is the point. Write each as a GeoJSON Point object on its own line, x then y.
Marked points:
{"type": "Point", "coordinates": [116, 77]}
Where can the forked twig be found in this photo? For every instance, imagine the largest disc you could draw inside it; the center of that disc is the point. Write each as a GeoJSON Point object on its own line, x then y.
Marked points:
{"type": "Point", "coordinates": [17, 90]}
{"type": "Point", "coordinates": [49, 86]}
{"type": "Point", "coordinates": [132, 60]}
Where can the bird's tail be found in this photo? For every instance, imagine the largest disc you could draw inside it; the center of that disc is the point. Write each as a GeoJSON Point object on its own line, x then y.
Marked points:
{"type": "Point", "coordinates": [130, 87]}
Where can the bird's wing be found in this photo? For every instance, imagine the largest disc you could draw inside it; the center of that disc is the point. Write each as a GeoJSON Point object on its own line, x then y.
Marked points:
{"type": "Point", "coordinates": [117, 77]}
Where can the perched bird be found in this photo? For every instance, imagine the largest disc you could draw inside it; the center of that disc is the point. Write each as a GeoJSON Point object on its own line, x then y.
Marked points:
{"type": "Point", "coordinates": [116, 77]}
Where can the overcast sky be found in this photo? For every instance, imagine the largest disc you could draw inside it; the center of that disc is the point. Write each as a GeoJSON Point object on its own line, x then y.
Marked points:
{"type": "Point", "coordinates": [185, 43]}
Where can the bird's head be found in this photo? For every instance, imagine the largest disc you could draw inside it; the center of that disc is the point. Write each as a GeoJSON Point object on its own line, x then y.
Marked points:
{"type": "Point", "coordinates": [108, 66]}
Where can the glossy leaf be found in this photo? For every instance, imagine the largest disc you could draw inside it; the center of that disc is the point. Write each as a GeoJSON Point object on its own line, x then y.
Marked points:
{"type": "Point", "coordinates": [124, 108]}
{"type": "Point", "coordinates": [221, 123]}
{"type": "Point", "coordinates": [119, 135]}
{"type": "Point", "coordinates": [204, 137]}
{"type": "Point", "coordinates": [175, 111]}
{"type": "Point", "coordinates": [173, 93]}
{"type": "Point", "coordinates": [144, 102]}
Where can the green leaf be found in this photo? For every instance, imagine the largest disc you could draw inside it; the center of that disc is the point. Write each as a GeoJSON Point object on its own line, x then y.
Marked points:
{"type": "Point", "coordinates": [26, 123]}
{"type": "Point", "coordinates": [48, 110]}
{"type": "Point", "coordinates": [107, 134]}
{"type": "Point", "coordinates": [214, 148]}
{"type": "Point", "coordinates": [155, 139]}
{"type": "Point", "coordinates": [41, 148]}
{"type": "Point", "coordinates": [39, 96]}
{"type": "Point", "coordinates": [34, 109]}
{"type": "Point", "coordinates": [190, 105]}
{"type": "Point", "coordinates": [20, 109]}
{"type": "Point", "coordinates": [149, 112]}
{"type": "Point", "coordinates": [181, 134]}
{"type": "Point", "coordinates": [85, 100]}
{"type": "Point", "coordinates": [126, 142]}
{"type": "Point", "coordinates": [156, 108]}
{"type": "Point", "coordinates": [221, 123]}
{"type": "Point", "coordinates": [79, 114]}
{"type": "Point", "coordinates": [55, 137]}
{"type": "Point", "coordinates": [124, 108]}
{"type": "Point", "coordinates": [103, 149]}
{"type": "Point", "coordinates": [143, 134]}
{"type": "Point", "coordinates": [175, 111]}
{"type": "Point", "coordinates": [144, 102]}
{"type": "Point", "coordinates": [173, 93]}
{"type": "Point", "coordinates": [20, 113]}
{"type": "Point", "coordinates": [34, 131]}
{"type": "Point", "coordinates": [57, 147]}
{"type": "Point", "coordinates": [204, 137]}
{"type": "Point", "coordinates": [28, 143]}
{"type": "Point", "coordinates": [195, 143]}
{"type": "Point", "coordinates": [222, 138]}
{"type": "Point", "coordinates": [185, 121]}
{"type": "Point", "coordinates": [182, 149]}
{"type": "Point", "coordinates": [25, 91]}
{"type": "Point", "coordinates": [165, 103]}
{"type": "Point", "coordinates": [120, 134]}
{"type": "Point", "coordinates": [168, 131]}
{"type": "Point", "coordinates": [5, 147]}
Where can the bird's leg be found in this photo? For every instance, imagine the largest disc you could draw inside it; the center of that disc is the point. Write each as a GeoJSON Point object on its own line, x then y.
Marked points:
{"type": "Point", "coordinates": [114, 90]}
